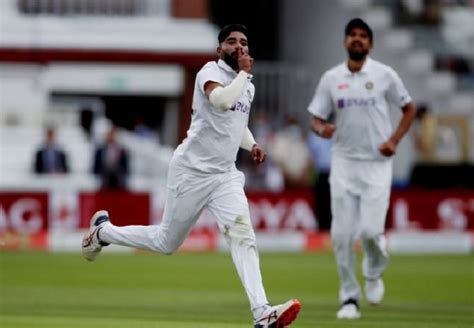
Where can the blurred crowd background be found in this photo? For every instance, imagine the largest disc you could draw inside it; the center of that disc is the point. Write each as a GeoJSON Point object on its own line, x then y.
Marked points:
{"type": "Point", "coordinates": [96, 94]}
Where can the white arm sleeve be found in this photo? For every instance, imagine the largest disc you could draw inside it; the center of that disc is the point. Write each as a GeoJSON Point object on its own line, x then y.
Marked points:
{"type": "Point", "coordinates": [224, 98]}
{"type": "Point", "coordinates": [247, 140]}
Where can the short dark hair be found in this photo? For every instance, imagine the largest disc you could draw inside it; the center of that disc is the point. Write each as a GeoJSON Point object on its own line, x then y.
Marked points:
{"type": "Point", "coordinates": [359, 23]}
{"type": "Point", "coordinates": [226, 30]}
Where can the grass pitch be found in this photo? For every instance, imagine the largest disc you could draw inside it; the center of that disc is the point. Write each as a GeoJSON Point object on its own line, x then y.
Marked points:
{"type": "Point", "coordinates": [203, 291]}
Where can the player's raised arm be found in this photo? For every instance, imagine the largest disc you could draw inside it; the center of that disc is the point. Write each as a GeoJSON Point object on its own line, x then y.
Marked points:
{"type": "Point", "coordinates": [223, 98]}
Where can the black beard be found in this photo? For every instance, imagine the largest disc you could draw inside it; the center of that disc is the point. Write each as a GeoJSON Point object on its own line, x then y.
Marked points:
{"type": "Point", "coordinates": [357, 56]}
{"type": "Point", "coordinates": [231, 61]}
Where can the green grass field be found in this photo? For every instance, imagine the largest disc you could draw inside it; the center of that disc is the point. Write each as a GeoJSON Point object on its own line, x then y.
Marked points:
{"type": "Point", "coordinates": [203, 290]}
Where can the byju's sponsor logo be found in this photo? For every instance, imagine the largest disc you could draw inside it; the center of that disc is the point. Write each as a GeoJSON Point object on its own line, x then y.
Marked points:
{"type": "Point", "coordinates": [241, 107]}
{"type": "Point", "coordinates": [340, 103]}
{"type": "Point", "coordinates": [355, 102]}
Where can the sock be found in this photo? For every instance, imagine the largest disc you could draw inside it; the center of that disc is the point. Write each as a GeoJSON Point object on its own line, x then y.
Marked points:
{"type": "Point", "coordinates": [257, 312]}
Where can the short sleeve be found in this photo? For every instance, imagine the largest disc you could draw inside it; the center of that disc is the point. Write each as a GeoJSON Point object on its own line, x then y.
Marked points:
{"type": "Point", "coordinates": [209, 72]}
{"type": "Point", "coordinates": [397, 93]}
{"type": "Point", "coordinates": [321, 104]}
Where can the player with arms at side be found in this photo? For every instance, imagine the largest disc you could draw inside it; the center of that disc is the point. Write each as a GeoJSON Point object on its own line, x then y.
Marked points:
{"type": "Point", "coordinates": [202, 174]}
{"type": "Point", "coordinates": [358, 92]}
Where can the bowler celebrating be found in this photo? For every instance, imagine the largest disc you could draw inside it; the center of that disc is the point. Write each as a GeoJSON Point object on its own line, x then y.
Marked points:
{"type": "Point", "coordinates": [202, 174]}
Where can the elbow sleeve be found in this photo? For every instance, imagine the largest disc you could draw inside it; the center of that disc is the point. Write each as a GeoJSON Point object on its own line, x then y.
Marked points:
{"type": "Point", "coordinates": [223, 98]}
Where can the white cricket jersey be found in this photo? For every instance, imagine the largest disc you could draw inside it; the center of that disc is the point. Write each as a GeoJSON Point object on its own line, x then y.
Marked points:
{"type": "Point", "coordinates": [214, 136]}
{"type": "Point", "coordinates": [360, 102]}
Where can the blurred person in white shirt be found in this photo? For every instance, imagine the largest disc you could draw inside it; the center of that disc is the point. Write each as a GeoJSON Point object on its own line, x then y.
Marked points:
{"type": "Point", "coordinates": [359, 92]}
{"type": "Point", "coordinates": [289, 151]}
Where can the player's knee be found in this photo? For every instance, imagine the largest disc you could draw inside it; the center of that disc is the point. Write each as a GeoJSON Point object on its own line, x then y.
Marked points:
{"type": "Point", "coordinates": [341, 240]}
{"type": "Point", "coordinates": [247, 238]}
{"type": "Point", "coordinates": [339, 235]}
{"type": "Point", "coordinates": [369, 233]}
{"type": "Point", "coordinates": [338, 242]}
{"type": "Point", "coordinates": [376, 241]}
{"type": "Point", "coordinates": [168, 247]}
{"type": "Point", "coordinates": [241, 232]}
{"type": "Point", "coordinates": [169, 250]}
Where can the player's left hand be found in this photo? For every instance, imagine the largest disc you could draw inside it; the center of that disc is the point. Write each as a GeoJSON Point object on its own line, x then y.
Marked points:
{"type": "Point", "coordinates": [388, 148]}
{"type": "Point", "coordinates": [258, 154]}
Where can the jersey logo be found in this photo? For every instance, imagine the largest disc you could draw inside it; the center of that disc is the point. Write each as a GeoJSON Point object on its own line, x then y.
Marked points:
{"type": "Point", "coordinates": [361, 102]}
{"type": "Point", "coordinates": [340, 103]}
{"type": "Point", "coordinates": [343, 86]}
{"type": "Point", "coordinates": [240, 107]}
{"type": "Point", "coordinates": [369, 85]}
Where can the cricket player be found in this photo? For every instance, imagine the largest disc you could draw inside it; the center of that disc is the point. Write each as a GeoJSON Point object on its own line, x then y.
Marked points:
{"type": "Point", "coordinates": [359, 91]}
{"type": "Point", "coordinates": [202, 174]}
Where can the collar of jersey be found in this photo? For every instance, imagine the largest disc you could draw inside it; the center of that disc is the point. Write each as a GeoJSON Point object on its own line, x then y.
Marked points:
{"type": "Point", "coordinates": [365, 68]}
{"type": "Point", "coordinates": [225, 67]}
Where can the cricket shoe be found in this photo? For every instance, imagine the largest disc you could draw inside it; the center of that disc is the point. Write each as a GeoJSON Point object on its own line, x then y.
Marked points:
{"type": "Point", "coordinates": [279, 316]}
{"type": "Point", "coordinates": [374, 291]}
{"type": "Point", "coordinates": [349, 310]}
{"type": "Point", "coordinates": [91, 244]}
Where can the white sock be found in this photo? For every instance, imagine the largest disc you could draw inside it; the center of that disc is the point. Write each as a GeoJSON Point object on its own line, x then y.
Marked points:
{"type": "Point", "coordinates": [257, 312]}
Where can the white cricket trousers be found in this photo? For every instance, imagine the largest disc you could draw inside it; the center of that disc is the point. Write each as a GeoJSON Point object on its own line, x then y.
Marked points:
{"type": "Point", "coordinates": [360, 192]}
{"type": "Point", "coordinates": [188, 193]}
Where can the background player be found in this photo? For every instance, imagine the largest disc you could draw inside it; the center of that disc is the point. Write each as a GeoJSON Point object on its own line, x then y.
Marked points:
{"type": "Point", "coordinates": [358, 92]}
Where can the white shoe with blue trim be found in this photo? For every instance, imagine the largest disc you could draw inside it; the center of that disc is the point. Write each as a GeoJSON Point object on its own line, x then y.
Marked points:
{"type": "Point", "coordinates": [91, 244]}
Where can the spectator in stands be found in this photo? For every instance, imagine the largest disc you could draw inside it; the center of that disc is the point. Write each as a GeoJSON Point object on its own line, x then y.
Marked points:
{"type": "Point", "coordinates": [290, 152]}
{"type": "Point", "coordinates": [453, 63]}
{"type": "Point", "coordinates": [320, 151]}
{"type": "Point", "coordinates": [50, 158]}
{"type": "Point", "coordinates": [426, 12]}
{"type": "Point", "coordinates": [86, 121]}
{"type": "Point", "coordinates": [267, 176]}
{"type": "Point", "coordinates": [144, 131]}
{"type": "Point", "coordinates": [111, 162]}
{"type": "Point", "coordinates": [422, 131]}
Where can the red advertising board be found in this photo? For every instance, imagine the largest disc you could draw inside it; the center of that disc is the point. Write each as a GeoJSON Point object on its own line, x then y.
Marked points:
{"type": "Point", "coordinates": [29, 213]}
{"type": "Point", "coordinates": [286, 211]}
{"type": "Point", "coordinates": [125, 208]}
{"type": "Point", "coordinates": [431, 209]}
{"type": "Point", "coordinates": [23, 220]}
{"type": "Point", "coordinates": [269, 212]}
{"type": "Point", "coordinates": [23, 212]}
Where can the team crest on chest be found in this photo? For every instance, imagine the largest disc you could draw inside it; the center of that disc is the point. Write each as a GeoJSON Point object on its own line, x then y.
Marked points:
{"type": "Point", "coordinates": [369, 85]}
